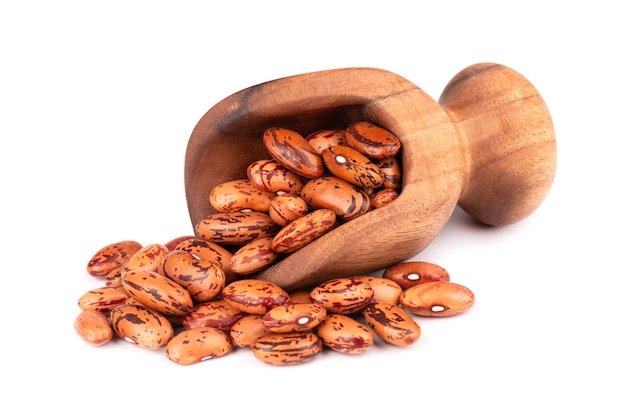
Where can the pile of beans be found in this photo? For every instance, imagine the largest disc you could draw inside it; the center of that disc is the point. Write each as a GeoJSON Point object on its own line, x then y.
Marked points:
{"type": "Point", "coordinates": [306, 187]}
{"type": "Point", "coordinates": [178, 296]}
{"type": "Point", "coordinates": [196, 296]}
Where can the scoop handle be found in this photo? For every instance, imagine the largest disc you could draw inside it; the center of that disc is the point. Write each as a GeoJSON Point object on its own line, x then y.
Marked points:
{"type": "Point", "coordinates": [509, 142]}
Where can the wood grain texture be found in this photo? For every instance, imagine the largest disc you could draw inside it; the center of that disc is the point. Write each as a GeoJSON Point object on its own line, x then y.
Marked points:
{"type": "Point", "coordinates": [447, 156]}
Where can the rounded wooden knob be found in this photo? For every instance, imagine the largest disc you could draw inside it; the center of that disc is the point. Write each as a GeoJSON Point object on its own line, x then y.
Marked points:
{"type": "Point", "coordinates": [511, 148]}
{"type": "Point", "coordinates": [443, 156]}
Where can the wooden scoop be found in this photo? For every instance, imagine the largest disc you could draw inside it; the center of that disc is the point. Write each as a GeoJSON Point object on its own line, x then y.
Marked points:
{"type": "Point", "coordinates": [488, 145]}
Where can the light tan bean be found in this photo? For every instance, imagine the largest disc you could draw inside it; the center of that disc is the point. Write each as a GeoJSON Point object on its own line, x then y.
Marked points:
{"type": "Point", "coordinates": [437, 299]}
{"type": "Point", "coordinates": [239, 195]}
{"type": "Point", "coordinates": [93, 327]}
{"type": "Point", "coordinates": [198, 344]}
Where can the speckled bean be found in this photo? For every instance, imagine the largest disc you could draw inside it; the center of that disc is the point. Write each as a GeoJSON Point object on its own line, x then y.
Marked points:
{"type": "Point", "coordinates": [344, 334]}
{"type": "Point", "coordinates": [343, 295]}
{"type": "Point", "coordinates": [344, 199]}
{"type": "Point", "coordinates": [203, 279]}
{"type": "Point", "coordinates": [391, 172]}
{"type": "Point", "coordinates": [325, 138]}
{"type": "Point", "coordinates": [141, 326]}
{"type": "Point", "coordinates": [148, 258]}
{"type": "Point", "coordinates": [410, 273]}
{"type": "Point", "coordinates": [383, 197]}
{"type": "Point", "coordinates": [216, 313]}
{"type": "Point", "coordinates": [253, 257]}
{"type": "Point", "coordinates": [211, 251]}
{"type": "Point", "coordinates": [157, 292]}
{"type": "Point", "coordinates": [239, 195]}
{"type": "Point", "coordinates": [198, 344]}
{"type": "Point", "coordinates": [286, 208]}
{"type": "Point", "coordinates": [112, 256]}
{"type": "Point", "coordinates": [271, 176]}
{"type": "Point", "coordinates": [303, 231]}
{"type": "Point", "coordinates": [93, 327]}
{"type": "Point", "coordinates": [372, 140]}
{"type": "Point", "coordinates": [352, 166]}
{"type": "Point", "coordinates": [246, 331]}
{"type": "Point", "coordinates": [437, 299]}
{"type": "Point", "coordinates": [392, 324]}
{"type": "Point", "coordinates": [103, 299]}
{"type": "Point", "coordinates": [254, 296]}
{"type": "Point", "coordinates": [285, 349]}
{"type": "Point", "coordinates": [236, 227]}
{"type": "Point", "coordinates": [292, 317]}
{"type": "Point", "coordinates": [293, 152]}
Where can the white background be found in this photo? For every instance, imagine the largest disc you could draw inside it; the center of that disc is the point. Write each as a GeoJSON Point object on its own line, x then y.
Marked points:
{"type": "Point", "coordinates": [97, 102]}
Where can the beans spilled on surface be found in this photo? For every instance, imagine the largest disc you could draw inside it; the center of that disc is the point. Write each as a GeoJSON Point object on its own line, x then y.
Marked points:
{"type": "Point", "coordinates": [196, 297]}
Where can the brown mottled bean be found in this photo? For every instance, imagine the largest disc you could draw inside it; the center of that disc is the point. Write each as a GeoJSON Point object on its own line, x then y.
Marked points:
{"type": "Point", "coordinates": [344, 199]}
{"type": "Point", "coordinates": [254, 296]}
{"type": "Point", "coordinates": [103, 299]}
{"type": "Point", "coordinates": [247, 330]}
{"type": "Point", "coordinates": [203, 279]}
{"type": "Point", "coordinates": [198, 344]}
{"type": "Point", "coordinates": [385, 290]}
{"type": "Point", "coordinates": [391, 172]}
{"type": "Point", "coordinates": [111, 257]}
{"type": "Point", "coordinates": [216, 313]}
{"type": "Point", "coordinates": [148, 258]}
{"type": "Point", "coordinates": [285, 349]}
{"type": "Point", "coordinates": [383, 197]}
{"type": "Point", "coordinates": [157, 292]}
{"type": "Point", "coordinates": [326, 138]}
{"type": "Point", "coordinates": [270, 175]}
{"type": "Point", "coordinates": [210, 251]}
{"type": "Point", "coordinates": [114, 277]}
{"type": "Point", "coordinates": [343, 295]}
{"type": "Point", "coordinates": [344, 334]}
{"type": "Point", "coordinates": [253, 257]}
{"type": "Point", "coordinates": [437, 299]}
{"type": "Point", "coordinates": [286, 208]}
{"type": "Point", "coordinates": [372, 140]}
{"type": "Point", "coordinates": [293, 152]}
{"type": "Point", "coordinates": [93, 327]}
{"type": "Point", "coordinates": [239, 195]}
{"type": "Point", "coordinates": [236, 227]}
{"type": "Point", "coordinates": [303, 231]}
{"type": "Point", "coordinates": [141, 326]}
{"type": "Point", "coordinates": [392, 324]}
{"type": "Point", "coordinates": [291, 317]}
{"type": "Point", "coordinates": [352, 166]}
{"type": "Point", "coordinates": [410, 273]}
